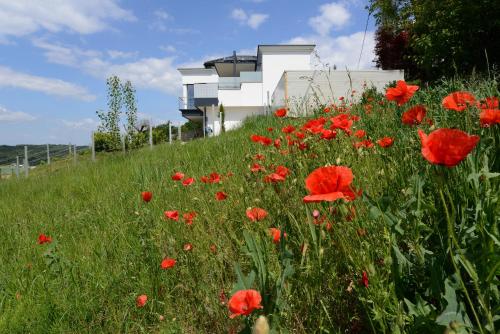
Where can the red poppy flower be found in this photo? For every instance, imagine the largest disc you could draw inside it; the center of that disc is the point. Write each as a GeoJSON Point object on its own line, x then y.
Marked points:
{"type": "Point", "coordinates": [288, 129]}
{"type": "Point", "coordinates": [44, 239]}
{"type": "Point", "coordinates": [364, 279]}
{"type": "Point", "coordinates": [385, 142]}
{"type": "Point", "coordinates": [204, 179]}
{"type": "Point", "coordinates": [402, 93]}
{"type": "Point", "coordinates": [256, 214]}
{"type": "Point", "coordinates": [141, 300]}
{"type": "Point", "coordinates": [220, 196]}
{"type": "Point", "coordinates": [189, 217]}
{"type": "Point", "coordinates": [458, 101]}
{"type": "Point", "coordinates": [280, 112]}
{"type": "Point", "coordinates": [326, 109]}
{"type": "Point", "coordinates": [213, 248]}
{"type": "Point", "coordinates": [146, 196]}
{"type": "Point", "coordinates": [330, 184]}
{"type": "Point", "coordinates": [167, 263]}
{"type": "Point", "coordinates": [273, 178]}
{"type": "Point", "coordinates": [174, 215]}
{"type": "Point", "coordinates": [214, 178]}
{"type": "Point", "coordinates": [244, 302]}
{"type": "Point", "coordinates": [257, 168]}
{"type": "Point", "coordinates": [178, 176]}
{"type": "Point", "coordinates": [314, 125]}
{"type": "Point", "coordinates": [276, 235]}
{"type": "Point", "coordinates": [277, 143]}
{"type": "Point", "coordinates": [447, 147]}
{"type": "Point", "coordinates": [302, 146]}
{"type": "Point", "coordinates": [328, 134]}
{"type": "Point", "coordinates": [187, 247]}
{"type": "Point", "coordinates": [187, 182]}
{"type": "Point", "coordinates": [282, 170]}
{"type": "Point", "coordinates": [261, 139]}
{"type": "Point", "coordinates": [270, 129]}
{"type": "Point", "coordinates": [300, 135]}
{"type": "Point", "coordinates": [364, 143]}
{"type": "Point", "coordinates": [490, 103]}
{"type": "Point", "coordinates": [489, 117]}
{"type": "Point", "coordinates": [258, 157]}
{"type": "Point", "coordinates": [360, 133]}
{"type": "Point", "coordinates": [342, 122]}
{"type": "Point", "coordinates": [414, 115]}
{"type": "Point", "coordinates": [222, 297]}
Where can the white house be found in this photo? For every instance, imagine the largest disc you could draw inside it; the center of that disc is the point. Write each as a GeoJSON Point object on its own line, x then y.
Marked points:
{"type": "Point", "coordinates": [249, 85]}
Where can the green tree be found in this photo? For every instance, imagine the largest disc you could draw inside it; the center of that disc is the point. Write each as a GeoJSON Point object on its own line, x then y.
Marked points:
{"type": "Point", "coordinates": [222, 118]}
{"type": "Point", "coordinates": [445, 37]}
{"type": "Point", "coordinates": [130, 102]}
{"type": "Point", "coordinates": [110, 121]}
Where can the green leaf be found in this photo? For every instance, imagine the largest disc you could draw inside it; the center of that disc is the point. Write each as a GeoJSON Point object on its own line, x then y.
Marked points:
{"type": "Point", "coordinates": [454, 310]}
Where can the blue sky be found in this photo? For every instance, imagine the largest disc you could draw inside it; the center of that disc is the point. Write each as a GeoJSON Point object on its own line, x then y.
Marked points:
{"type": "Point", "coordinates": [55, 55]}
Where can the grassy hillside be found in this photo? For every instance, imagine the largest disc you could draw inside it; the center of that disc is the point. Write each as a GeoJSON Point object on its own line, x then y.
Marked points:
{"type": "Point", "coordinates": [416, 250]}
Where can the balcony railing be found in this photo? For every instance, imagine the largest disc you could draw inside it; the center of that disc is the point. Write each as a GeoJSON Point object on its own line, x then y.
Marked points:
{"type": "Point", "coordinates": [208, 90]}
{"type": "Point", "coordinates": [186, 103]}
{"type": "Point", "coordinates": [235, 82]}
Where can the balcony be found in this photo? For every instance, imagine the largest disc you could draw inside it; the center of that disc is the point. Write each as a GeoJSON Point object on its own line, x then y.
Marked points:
{"type": "Point", "coordinates": [229, 83]}
{"type": "Point", "coordinates": [199, 95]}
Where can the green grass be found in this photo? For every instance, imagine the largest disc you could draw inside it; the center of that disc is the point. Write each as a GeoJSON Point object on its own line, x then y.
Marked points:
{"type": "Point", "coordinates": [108, 244]}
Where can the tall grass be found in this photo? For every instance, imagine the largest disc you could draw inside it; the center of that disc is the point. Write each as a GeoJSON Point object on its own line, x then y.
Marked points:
{"type": "Point", "coordinates": [427, 236]}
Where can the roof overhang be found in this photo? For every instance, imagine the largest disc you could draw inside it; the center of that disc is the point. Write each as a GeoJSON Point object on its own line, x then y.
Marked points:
{"type": "Point", "coordinates": [283, 49]}
{"type": "Point", "coordinates": [197, 71]}
{"type": "Point", "coordinates": [226, 69]}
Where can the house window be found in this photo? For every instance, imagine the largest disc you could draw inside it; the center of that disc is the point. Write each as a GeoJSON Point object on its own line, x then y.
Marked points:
{"type": "Point", "coordinates": [190, 96]}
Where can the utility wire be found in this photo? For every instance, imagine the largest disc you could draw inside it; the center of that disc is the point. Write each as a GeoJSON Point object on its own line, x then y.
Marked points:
{"type": "Point", "coordinates": [364, 37]}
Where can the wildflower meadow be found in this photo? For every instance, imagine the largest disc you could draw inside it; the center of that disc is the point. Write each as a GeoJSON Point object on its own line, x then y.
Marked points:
{"type": "Point", "coordinates": [379, 213]}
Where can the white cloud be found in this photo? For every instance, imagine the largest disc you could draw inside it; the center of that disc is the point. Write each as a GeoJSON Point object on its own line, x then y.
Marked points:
{"type": "Point", "coordinates": [151, 73]}
{"type": "Point", "coordinates": [168, 48]}
{"type": "Point", "coordinates": [51, 86]}
{"type": "Point", "coordinates": [255, 20]}
{"type": "Point", "coordinates": [252, 20]}
{"type": "Point", "coordinates": [83, 124]}
{"type": "Point", "coordinates": [14, 116]}
{"type": "Point", "coordinates": [162, 15]}
{"type": "Point", "coordinates": [20, 18]}
{"type": "Point", "coordinates": [115, 54]}
{"type": "Point", "coordinates": [342, 50]}
{"type": "Point", "coordinates": [332, 15]}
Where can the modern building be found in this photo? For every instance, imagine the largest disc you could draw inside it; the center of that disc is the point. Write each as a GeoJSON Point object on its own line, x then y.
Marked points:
{"type": "Point", "coordinates": [278, 76]}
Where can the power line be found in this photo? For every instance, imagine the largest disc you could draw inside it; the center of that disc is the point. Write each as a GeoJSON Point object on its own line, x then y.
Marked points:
{"type": "Point", "coordinates": [364, 37]}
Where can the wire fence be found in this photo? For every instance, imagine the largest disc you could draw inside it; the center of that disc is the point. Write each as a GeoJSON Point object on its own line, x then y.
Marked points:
{"type": "Point", "coordinates": [29, 159]}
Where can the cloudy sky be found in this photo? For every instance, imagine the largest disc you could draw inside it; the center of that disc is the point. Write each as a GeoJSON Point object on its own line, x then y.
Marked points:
{"type": "Point", "coordinates": [55, 55]}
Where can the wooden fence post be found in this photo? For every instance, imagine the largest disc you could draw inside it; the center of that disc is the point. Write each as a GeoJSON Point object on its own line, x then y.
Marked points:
{"type": "Point", "coordinates": [150, 133]}
{"type": "Point", "coordinates": [17, 166]}
{"type": "Point", "coordinates": [169, 132]}
{"type": "Point", "coordinates": [26, 162]}
{"type": "Point", "coordinates": [93, 145]}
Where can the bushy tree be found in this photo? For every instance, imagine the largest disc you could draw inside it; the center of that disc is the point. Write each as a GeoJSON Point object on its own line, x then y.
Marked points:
{"type": "Point", "coordinates": [443, 37]}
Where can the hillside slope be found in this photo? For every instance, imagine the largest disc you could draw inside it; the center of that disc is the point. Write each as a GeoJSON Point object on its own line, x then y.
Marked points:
{"type": "Point", "coordinates": [344, 266]}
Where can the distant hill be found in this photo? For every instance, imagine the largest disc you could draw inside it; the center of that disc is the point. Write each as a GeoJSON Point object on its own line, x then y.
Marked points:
{"type": "Point", "coordinates": [36, 153]}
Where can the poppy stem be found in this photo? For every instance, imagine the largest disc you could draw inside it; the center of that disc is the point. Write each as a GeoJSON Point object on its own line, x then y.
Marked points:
{"type": "Point", "coordinates": [451, 243]}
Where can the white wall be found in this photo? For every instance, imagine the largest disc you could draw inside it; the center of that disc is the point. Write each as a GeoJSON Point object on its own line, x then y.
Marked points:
{"type": "Point", "coordinates": [274, 64]}
{"type": "Point", "coordinates": [301, 91]}
{"type": "Point", "coordinates": [193, 77]}
{"type": "Point", "coordinates": [249, 95]}
{"type": "Point", "coordinates": [234, 117]}
{"type": "Point", "coordinates": [200, 78]}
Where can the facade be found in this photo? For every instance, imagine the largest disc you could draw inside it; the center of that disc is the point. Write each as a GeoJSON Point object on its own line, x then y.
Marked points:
{"type": "Point", "coordinates": [277, 76]}
{"type": "Point", "coordinates": [243, 84]}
